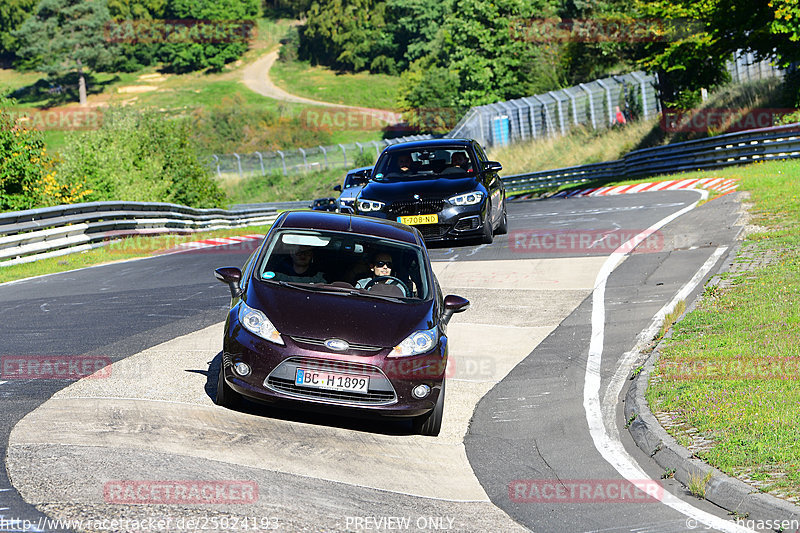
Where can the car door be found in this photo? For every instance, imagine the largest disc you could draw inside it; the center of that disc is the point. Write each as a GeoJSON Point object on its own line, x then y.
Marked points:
{"type": "Point", "coordinates": [493, 184]}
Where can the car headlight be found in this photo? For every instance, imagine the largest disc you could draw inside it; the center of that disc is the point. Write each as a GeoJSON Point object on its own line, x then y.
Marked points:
{"type": "Point", "coordinates": [418, 342]}
{"type": "Point", "coordinates": [257, 323]}
{"type": "Point", "coordinates": [365, 206]}
{"type": "Point", "coordinates": [470, 198]}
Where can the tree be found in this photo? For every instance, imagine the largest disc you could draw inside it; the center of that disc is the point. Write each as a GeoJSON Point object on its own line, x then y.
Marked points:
{"type": "Point", "coordinates": [12, 14]}
{"type": "Point", "coordinates": [227, 43]}
{"type": "Point", "coordinates": [702, 36]}
{"type": "Point", "coordinates": [346, 34]}
{"type": "Point", "coordinates": [65, 36]}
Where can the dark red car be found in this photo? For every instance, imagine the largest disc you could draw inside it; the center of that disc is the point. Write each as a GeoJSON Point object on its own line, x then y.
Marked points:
{"type": "Point", "coordinates": [339, 312]}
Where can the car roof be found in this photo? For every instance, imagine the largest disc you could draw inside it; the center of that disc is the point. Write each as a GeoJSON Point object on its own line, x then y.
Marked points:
{"type": "Point", "coordinates": [359, 169]}
{"type": "Point", "coordinates": [429, 143]}
{"type": "Point", "coordinates": [343, 222]}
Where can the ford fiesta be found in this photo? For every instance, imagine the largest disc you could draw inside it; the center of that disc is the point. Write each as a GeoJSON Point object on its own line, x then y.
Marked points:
{"type": "Point", "coordinates": [338, 312]}
{"type": "Point", "coordinates": [446, 188]}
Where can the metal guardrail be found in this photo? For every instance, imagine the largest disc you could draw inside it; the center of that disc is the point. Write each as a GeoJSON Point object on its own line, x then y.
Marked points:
{"type": "Point", "coordinates": [34, 234]}
{"type": "Point", "coordinates": [767, 144]}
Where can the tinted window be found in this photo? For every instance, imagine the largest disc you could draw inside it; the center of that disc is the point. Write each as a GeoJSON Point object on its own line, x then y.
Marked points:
{"type": "Point", "coordinates": [424, 163]}
{"type": "Point", "coordinates": [319, 258]}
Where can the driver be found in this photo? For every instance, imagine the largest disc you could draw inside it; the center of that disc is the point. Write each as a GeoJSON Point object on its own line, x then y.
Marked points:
{"type": "Point", "coordinates": [381, 265]}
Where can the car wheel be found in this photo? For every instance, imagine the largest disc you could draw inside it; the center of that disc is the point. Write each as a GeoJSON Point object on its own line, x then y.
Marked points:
{"type": "Point", "coordinates": [488, 228]}
{"type": "Point", "coordinates": [430, 424]}
{"type": "Point", "coordinates": [503, 228]}
{"type": "Point", "coordinates": [226, 396]}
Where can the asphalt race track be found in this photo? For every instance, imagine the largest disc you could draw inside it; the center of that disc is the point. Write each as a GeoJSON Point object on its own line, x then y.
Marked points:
{"type": "Point", "coordinates": [533, 437]}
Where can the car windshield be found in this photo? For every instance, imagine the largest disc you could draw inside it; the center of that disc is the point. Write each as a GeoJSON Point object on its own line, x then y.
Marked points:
{"type": "Point", "coordinates": [424, 163]}
{"type": "Point", "coordinates": [355, 179]}
{"type": "Point", "coordinates": [353, 265]}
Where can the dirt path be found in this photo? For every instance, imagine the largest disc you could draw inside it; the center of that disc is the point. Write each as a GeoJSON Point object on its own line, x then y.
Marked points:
{"type": "Point", "coordinates": [256, 78]}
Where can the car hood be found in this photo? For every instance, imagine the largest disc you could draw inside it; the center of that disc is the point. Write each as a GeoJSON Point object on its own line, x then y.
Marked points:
{"type": "Point", "coordinates": [390, 191]}
{"type": "Point", "coordinates": [356, 319]}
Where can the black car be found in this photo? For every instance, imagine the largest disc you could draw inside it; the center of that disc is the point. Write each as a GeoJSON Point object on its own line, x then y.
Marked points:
{"type": "Point", "coordinates": [446, 188]}
{"type": "Point", "coordinates": [324, 204]}
{"type": "Point", "coordinates": [312, 326]}
{"type": "Point", "coordinates": [354, 181]}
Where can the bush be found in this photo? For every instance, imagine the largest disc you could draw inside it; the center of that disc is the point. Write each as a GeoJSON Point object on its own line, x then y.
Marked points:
{"type": "Point", "coordinates": [28, 177]}
{"type": "Point", "coordinates": [140, 156]}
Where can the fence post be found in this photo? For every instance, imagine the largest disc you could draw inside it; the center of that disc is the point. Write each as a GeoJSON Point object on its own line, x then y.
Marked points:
{"type": "Point", "coordinates": [283, 162]}
{"type": "Point", "coordinates": [548, 122]}
{"type": "Point", "coordinates": [560, 112]}
{"type": "Point", "coordinates": [305, 162]}
{"type": "Point", "coordinates": [344, 152]}
{"type": "Point", "coordinates": [261, 162]}
{"type": "Point", "coordinates": [324, 154]}
{"type": "Point", "coordinates": [643, 85]}
{"type": "Point", "coordinates": [591, 105]}
{"type": "Point", "coordinates": [239, 164]}
{"type": "Point", "coordinates": [216, 158]}
{"type": "Point", "coordinates": [608, 99]}
{"type": "Point", "coordinates": [377, 148]}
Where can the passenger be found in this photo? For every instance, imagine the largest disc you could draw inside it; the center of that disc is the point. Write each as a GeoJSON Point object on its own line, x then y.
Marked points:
{"type": "Point", "coordinates": [301, 268]}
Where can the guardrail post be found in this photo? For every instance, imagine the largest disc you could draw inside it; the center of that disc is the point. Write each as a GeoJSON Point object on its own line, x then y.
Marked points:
{"type": "Point", "coordinates": [305, 162]}
{"type": "Point", "coordinates": [344, 153]}
{"type": "Point", "coordinates": [283, 162]}
{"type": "Point", "coordinates": [324, 154]}
{"type": "Point", "coordinates": [591, 105]}
{"type": "Point", "coordinates": [239, 163]}
{"type": "Point", "coordinates": [216, 158]}
{"type": "Point", "coordinates": [261, 162]}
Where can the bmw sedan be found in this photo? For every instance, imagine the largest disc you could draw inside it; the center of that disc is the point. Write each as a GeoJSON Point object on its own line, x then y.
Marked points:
{"type": "Point", "coordinates": [339, 313]}
{"type": "Point", "coordinates": [354, 181]}
{"type": "Point", "coordinates": [446, 188]}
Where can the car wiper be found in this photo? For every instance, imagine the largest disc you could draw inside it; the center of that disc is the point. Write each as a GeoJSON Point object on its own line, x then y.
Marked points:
{"type": "Point", "coordinates": [328, 289]}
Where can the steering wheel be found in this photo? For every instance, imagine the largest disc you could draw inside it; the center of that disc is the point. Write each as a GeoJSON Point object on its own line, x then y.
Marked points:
{"type": "Point", "coordinates": [388, 280]}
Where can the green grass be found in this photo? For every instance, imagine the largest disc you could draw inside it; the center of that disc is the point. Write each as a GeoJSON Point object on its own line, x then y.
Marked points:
{"type": "Point", "coordinates": [362, 89]}
{"type": "Point", "coordinates": [128, 248]}
{"type": "Point", "coordinates": [277, 187]}
{"type": "Point", "coordinates": [731, 369]}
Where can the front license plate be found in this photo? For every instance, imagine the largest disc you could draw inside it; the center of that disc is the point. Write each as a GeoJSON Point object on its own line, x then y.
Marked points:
{"type": "Point", "coordinates": [419, 219]}
{"type": "Point", "coordinates": [331, 381]}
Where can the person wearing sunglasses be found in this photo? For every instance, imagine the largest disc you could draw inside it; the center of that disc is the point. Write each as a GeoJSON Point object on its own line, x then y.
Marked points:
{"type": "Point", "coordinates": [381, 265]}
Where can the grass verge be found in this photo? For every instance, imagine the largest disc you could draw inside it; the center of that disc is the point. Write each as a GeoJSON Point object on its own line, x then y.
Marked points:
{"type": "Point", "coordinates": [277, 187]}
{"type": "Point", "coordinates": [361, 89]}
{"type": "Point", "coordinates": [129, 248]}
{"type": "Point", "coordinates": [727, 378]}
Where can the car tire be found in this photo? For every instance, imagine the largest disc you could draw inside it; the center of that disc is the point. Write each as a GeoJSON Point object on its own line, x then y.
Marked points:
{"type": "Point", "coordinates": [488, 228]}
{"type": "Point", "coordinates": [431, 423]}
{"type": "Point", "coordinates": [503, 228]}
{"type": "Point", "coordinates": [226, 396]}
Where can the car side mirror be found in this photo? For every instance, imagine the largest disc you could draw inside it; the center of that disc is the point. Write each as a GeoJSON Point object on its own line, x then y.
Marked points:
{"type": "Point", "coordinates": [453, 304]}
{"type": "Point", "coordinates": [337, 188]}
{"type": "Point", "coordinates": [493, 166]}
{"type": "Point", "coordinates": [233, 277]}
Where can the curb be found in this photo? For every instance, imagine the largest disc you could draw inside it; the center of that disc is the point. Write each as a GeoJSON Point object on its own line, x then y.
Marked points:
{"type": "Point", "coordinates": [733, 495]}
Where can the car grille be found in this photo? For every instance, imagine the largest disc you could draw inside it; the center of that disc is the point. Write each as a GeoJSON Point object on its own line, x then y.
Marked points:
{"type": "Point", "coordinates": [353, 346]}
{"type": "Point", "coordinates": [432, 231]}
{"type": "Point", "coordinates": [421, 207]}
{"type": "Point", "coordinates": [380, 392]}
{"type": "Point", "coordinates": [287, 386]}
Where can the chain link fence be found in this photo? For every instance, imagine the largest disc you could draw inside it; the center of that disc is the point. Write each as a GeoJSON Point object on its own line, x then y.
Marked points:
{"type": "Point", "coordinates": [597, 104]}
{"type": "Point", "coordinates": [745, 67]}
{"type": "Point", "coordinates": [300, 160]}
